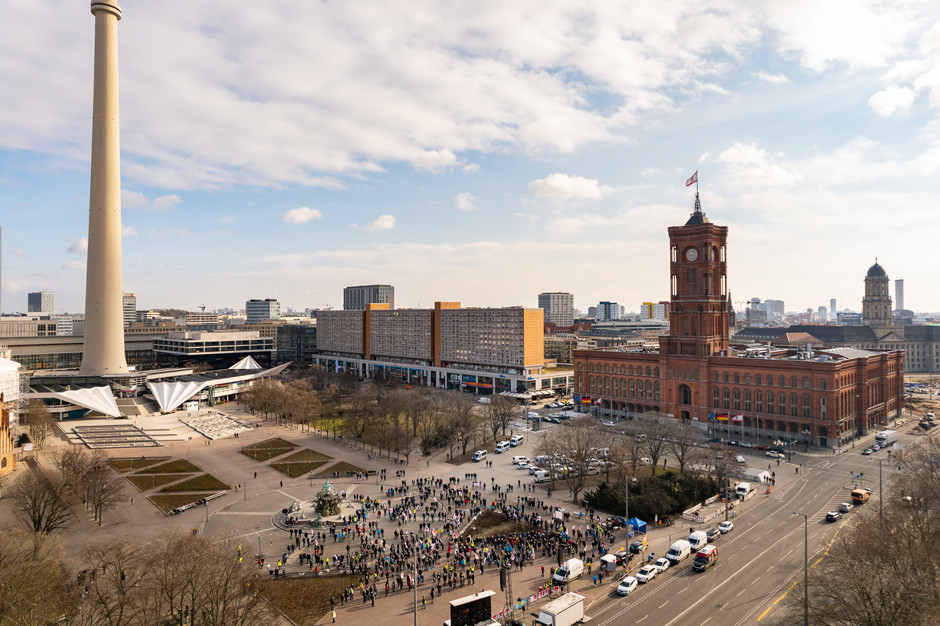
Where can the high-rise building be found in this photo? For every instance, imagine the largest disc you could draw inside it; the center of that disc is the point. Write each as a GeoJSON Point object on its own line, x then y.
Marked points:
{"type": "Point", "coordinates": [104, 315]}
{"type": "Point", "coordinates": [40, 302]}
{"type": "Point", "coordinates": [130, 309]}
{"type": "Point", "coordinates": [899, 293]}
{"type": "Point", "coordinates": [258, 311]}
{"type": "Point", "coordinates": [832, 309]}
{"type": "Point", "coordinates": [607, 311]}
{"type": "Point", "coordinates": [357, 298]}
{"type": "Point", "coordinates": [558, 307]}
{"type": "Point", "coordinates": [821, 314]}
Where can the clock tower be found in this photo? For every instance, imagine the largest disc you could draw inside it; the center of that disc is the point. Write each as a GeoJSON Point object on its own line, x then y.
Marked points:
{"type": "Point", "coordinates": [699, 303]}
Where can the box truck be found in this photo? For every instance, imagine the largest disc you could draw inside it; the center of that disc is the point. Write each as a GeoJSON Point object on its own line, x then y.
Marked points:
{"type": "Point", "coordinates": [569, 570]}
{"type": "Point", "coordinates": [565, 611]}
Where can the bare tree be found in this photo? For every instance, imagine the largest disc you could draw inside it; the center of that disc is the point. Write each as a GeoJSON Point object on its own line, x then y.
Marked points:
{"type": "Point", "coordinates": [103, 487]}
{"type": "Point", "coordinates": [655, 443]}
{"type": "Point", "coordinates": [40, 422]}
{"type": "Point", "coordinates": [498, 413]}
{"type": "Point", "coordinates": [572, 449]}
{"type": "Point", "coordinates": [684, 441]}
{"type": "Point", "coordinates": [33, 580]}
{"type": "Point", "coordinates": [461, 419]}
{"type": "Point", "coordinates": [42, 501]}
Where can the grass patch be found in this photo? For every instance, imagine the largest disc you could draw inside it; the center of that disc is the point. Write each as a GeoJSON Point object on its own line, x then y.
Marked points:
{"type": "Point", "coordinates": [492, 524]}
{"type": "Point", "coordinates": [268, 449]}
{"type": "Point", "coordinates": [167, 503]}
{"type": "Point", "coordinates": [132, 465]}
{"type": "Point", "coordinates": [306, 454]}
{"type": "Point", "coordinates": [203, 482]}
{"type": "Point", "coordinates": [304, 600]}
{"type": "Point", "coordinates": [147, 483]}
{"type": "Point", "coordinates": [295, 469]}
{"type": "Point", "coordinates": [176, 466]}
{"type": "Point", "coordinates": [342, 467]}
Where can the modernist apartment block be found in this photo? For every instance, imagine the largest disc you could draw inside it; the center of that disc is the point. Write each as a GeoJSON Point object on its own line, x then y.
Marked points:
{"type": "Point", "coordinates": [258, 311]}
{"type": "Point", "coordinates": [488, 350]}
{"type": "Point", "coordinates": [202, 343]}
{"type": "Point", "coordinates": [40, 302]}
{"type": "Point", "coordinates": [824, 397]}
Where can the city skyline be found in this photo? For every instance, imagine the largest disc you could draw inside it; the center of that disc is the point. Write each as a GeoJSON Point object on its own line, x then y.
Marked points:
{"type": "Point", "coordinates": [482, 157]}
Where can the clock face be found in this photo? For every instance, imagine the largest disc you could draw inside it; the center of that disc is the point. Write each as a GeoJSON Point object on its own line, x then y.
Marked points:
{"type": "Point", "coordinates": [691, 254]}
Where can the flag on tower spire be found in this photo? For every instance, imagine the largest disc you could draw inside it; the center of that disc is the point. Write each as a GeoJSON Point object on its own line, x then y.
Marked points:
{"type": "Point", "coordinates": [693, 179]}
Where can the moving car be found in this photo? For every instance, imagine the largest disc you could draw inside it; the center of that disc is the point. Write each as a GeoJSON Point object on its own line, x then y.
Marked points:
{"type": "Point", "coordinates": [833, 516]}
{"type": "Point", "coordinates": [725, 527]}
{"type": "Point", "coordinates": [626, 586]}
{"type": "Point", "coordinates": [712, 534]}
{"type": "Point", "coordinates": [866, 451]}
{"type": "Point", "coordinates": [661, 565]}
{"type": "Point", "coordinates": [637, 546]}
{"type": "Point", "coordinates": [739, 459]}
{"type": "Point", "coordinates": [845, 507]}
{"type": "Point", "coordinates": [646, 573]}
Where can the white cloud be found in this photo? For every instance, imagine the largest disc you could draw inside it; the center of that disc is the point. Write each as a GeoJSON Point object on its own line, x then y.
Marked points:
{"type": "Point", "coordinates": [129, 231]}
{"type": "Point", "coordinates": [755, 166]}
{"type": "Point", "coordinates": [78, 246]}
{"type": "Point", "coordinates": [73, 265]}
{"type": "Point", "coordinates": [382, 222]}
{"type": "Point", "coordinates": [649, 171]}
{"type": "Point", "coordinates": [564, 187]}
{"type": "Point", "coordinates": [434, 160]}
{"type": "Point", "coordinates": [891, 99]}
{"type": "Point", "coordinates": [164, 202]}
{"type": "Point", "coordinates": [465, 202]}
{"type": "Point", "coordinates": [776, 79]}
{"type": "Point", "coordinates": [20, 252]}
{"type": "Point", "coordinates": [301, 215]}
{"type": "Point", "coordinates": [131, 199]}
{"type": "Point", "coordinates": [471, 168]}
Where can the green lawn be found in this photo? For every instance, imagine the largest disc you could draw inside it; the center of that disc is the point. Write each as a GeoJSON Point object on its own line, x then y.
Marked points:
{"type": "Point", "coordinates": [130, 465]}
{"type": "Point", "coordinates": [203, 482]}
{"type": "Point", "coordinates": [268, 449]}
{"type": "Point", "coordinates": [167, 503]}
{"type": "Point", "coordinates": [176, 466]}
{"type": "Point", "coordinates": [342, 467]}
{"type": "Point", "coordinates": [295, 469]}
{"type": "Point", "coordinates": [152, 481]}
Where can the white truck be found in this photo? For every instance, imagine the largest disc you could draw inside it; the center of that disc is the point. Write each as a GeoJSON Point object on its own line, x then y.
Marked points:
{"type": "Point", "coordinates": [565, 611]}
{"type": "Point", "coordinates": [886, 438]}
{"type": "Point", "coordinates": [569, 570]}
{"type": "Point", "coordinates": [679, 551]}
{"type": "Point", "coordinates": [754, 475]}
{"type": "Point", "coordinates": [745, 490]}
{"type": "Point", "coordinates": [697, 539]}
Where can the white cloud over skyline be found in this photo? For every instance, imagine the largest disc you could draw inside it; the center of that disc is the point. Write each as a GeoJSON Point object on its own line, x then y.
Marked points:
{"type": "Point", "coordinates": [501, 133]}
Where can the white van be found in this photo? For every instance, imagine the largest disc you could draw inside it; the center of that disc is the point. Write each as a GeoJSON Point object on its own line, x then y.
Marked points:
{"type": "Point", "coordinates": [569, 570]}
{"type": "Point", "coordinates": [479, 455]}
{"type": "Point", "coordinates": [542, 476]}
{"type": "Point", "coordinates": [533, 415]}
{"type": "Point", "coordinates": [502, 446]}
{"type": "Point", "coordinates": [698, 540]}
{"type": "Point", "coordinates": [679, 551]}
{"type": "Point", "coordinates": [516, 460]}
{"type": "Point", "coordinates": [483, 400]}
{"type": "Point", "coordinates": [516, 440]}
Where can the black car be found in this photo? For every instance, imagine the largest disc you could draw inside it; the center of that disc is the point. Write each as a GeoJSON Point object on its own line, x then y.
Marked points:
{"type": "Point", "coordinates": [833, 516]}
{"type": "Point", "coordinates": [637, 546]}
{"type": "Point", "coordinates": [712, 534]}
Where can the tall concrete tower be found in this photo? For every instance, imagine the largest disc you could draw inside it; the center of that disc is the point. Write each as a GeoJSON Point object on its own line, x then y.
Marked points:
{"type": "Point", "coordinates": [104, 308]}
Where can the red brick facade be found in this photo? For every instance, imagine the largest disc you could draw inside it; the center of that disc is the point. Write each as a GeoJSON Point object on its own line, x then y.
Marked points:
{"type": "Point", "coordinates": [823, 396]}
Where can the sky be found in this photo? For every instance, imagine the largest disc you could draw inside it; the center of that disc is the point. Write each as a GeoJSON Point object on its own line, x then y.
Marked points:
{"type": "Point", "coordinates": [480, 152]}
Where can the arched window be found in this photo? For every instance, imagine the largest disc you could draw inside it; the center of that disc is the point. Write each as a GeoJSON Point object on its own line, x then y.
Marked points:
{"type": "Point", "coordinates": [805, 405]}
{"type": "Point", "coordinates": [759, 399]}
{"type": "Point", "coordinates": [685, 395]}
{"type": "Point", "coordinates": [630, 370]}
{"type": "Point", "coordinates": [649, 390]}
{"type": "Point", "coordinates": [747, 399]}
{"type": "Point", "coordinates": [780, 381]}
{"type": "Point", "coordinates": [805, 383]}
{"type": "Point", "coordinates": [737, 378]}
{"type": "Point", "coordinates": [726, 398]}
{"type": "Point", "coordinates": [737, 399]}
{"type": "Point", "coordinates": [623, 387]}
{"type": "Point", "coordinates": [747, 379]}
{"type": "Point", "coordinates": [793, 381]}
{"type": "Point", "coordinates": [656, 372]}
{"type": "Point", "coordinates": [794, 409]}
{"type": "Point", "coordinates": [591, 385]}
{"type": "Point", "coordinates": [725, 377]}
{"type": "Point", "coordinates": [647, 370]}
{"type": "Point", "coordinates": [632, 392]}
{"type": "Point", "coordinates": [716, 397]}
{"type": "Point", "coordinates": [822, 408]}
{"type": "Point", "coordinates": [656, 391]}
{"type": "Point", "coordinates": [782, 403]}
{"type": "Point", "coordinates": [822, 384]}
{"type": "Point", "coordinates": [770, 401]}
{"type": "Point", "coordinates": [757, 381]}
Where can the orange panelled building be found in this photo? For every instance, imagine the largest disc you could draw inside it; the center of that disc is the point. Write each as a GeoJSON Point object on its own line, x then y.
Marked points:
{"type": "Point", "coordinates": [820, 396]}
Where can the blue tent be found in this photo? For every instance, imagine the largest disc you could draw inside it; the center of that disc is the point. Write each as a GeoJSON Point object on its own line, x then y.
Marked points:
{"type": "Point", "coordinates": [637, 524]}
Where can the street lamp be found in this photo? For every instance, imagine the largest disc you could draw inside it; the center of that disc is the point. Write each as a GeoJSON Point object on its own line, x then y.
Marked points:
{"type": "Point", "coordinates": [805, 567]}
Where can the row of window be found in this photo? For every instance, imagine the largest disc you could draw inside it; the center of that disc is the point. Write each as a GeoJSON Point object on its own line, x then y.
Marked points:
{"type": "Point", "coordinates": [799, 406]}
{"type": "Point", "coordinates": [623, 388]}
{"type": "Point", "coordinates": [623, 369]}
{"type": "Point", "coordinates": [759, 380]}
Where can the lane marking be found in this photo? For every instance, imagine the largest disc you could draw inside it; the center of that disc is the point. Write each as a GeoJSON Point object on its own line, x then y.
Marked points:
{"type": "Point", "coordinates": [767, 610]}
{"type": "Point", "coordinates": [780, 598]}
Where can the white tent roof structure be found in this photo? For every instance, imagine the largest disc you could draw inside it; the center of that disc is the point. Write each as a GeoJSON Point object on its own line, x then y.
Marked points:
{"type": "Point", "coordinates": [99, 399]}
{"type": "Point", "coordinates": [248, 363]}
{"type": "Point", "coordinates": [170, 395]}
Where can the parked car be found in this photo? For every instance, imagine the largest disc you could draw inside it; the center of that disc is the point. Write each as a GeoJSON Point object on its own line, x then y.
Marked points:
{"type": "Point", "coordinates": [775, 455]}
{"type": "Point", "coordinates": [745, 444]}
{"type": "Point", "coordinates": [626, 586]}
{"type": "Point", "coordinates": [739, 459]}
{"type": "Point", "coordinates": [845, 507]}
{"type": "Point", "coordinates": [523, 466]}
{"type": "Point", "coordinates": [661, 565]}
{"type": "Point", "coordinates": [833, 516]}
{"type": "Point", "coordinates": [725, 527]}
{"type": "Point", "coordinates": [712, 534]}
{"type": "Point", "coordinates": [607, 423]}
{"type": "Point", "coordinates": [637, 546]}
{"type": "Point", "coordinates": [555, 420]}
{"type": "Point", "coordinates": [646, 573]}
{"type": "Point", "coordinates": [867, 451]}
